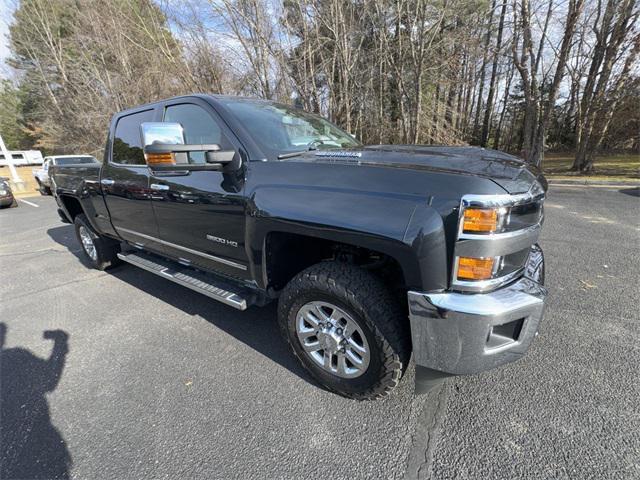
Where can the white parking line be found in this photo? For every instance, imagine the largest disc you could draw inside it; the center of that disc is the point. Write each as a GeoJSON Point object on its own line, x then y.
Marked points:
{"type": "Point", "coordinates": [28, 202]}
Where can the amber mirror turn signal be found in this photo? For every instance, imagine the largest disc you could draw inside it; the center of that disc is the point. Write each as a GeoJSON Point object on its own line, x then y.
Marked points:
{"type": "Point", "coordinates": [164, 149]}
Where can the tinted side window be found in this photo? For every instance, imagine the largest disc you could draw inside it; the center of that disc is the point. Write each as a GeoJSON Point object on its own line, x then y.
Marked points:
{"type": "Point", "coordinates": [199, 127]}
{"type": "Point", "coordinates": [127, 144]}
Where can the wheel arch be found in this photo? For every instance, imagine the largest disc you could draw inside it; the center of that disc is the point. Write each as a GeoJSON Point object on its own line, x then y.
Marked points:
{"type": "Point", "coordinates": [71, 206]}
{"type": "Point", "coordinates": [286, 253]}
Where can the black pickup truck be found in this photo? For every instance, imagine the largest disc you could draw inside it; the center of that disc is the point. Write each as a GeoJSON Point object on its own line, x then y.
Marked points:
{"type": "Point", "coordinates": [372, 252]}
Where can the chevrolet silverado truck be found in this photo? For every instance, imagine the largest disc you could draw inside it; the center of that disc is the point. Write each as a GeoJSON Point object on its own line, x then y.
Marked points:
{"type": "Point", "coordinates": [373, 253]}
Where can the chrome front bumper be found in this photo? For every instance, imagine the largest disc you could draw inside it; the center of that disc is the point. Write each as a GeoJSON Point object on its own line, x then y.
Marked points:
{"type": "Point", "coordinates": [462, 333]}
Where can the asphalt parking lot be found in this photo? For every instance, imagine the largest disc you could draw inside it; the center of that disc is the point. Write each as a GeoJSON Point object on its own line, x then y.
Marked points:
{"type": "Point", "coordinates": [161, 382]}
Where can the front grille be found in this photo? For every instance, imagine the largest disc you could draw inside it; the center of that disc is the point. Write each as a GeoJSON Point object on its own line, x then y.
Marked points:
{"type": "Point", "coordinates": [525, 215]}
{"type": "Point", "coordinates": [509, 247]}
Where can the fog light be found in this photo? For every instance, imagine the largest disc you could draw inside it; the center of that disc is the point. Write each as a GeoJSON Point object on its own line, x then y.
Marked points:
{"type": "Point", "coordinates": [475, 268]}
{"type": "Point", "coordinates": [484, 220]}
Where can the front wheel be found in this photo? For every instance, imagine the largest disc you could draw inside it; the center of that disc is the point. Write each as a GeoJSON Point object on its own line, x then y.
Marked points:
{"type": "Point", "coordinates": [100, 252]}
{"type": "Point", "coordinates": [346, 329]}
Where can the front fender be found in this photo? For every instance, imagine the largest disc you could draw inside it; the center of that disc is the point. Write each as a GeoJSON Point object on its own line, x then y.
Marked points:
{"type": "Point", "coordinates": [403, 227]}
{"type": "Point", "coordinates": [426, 235]}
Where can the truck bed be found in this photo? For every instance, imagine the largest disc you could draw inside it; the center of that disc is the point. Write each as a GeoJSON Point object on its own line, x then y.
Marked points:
{"type": "Point", "coordinates": [73, 178]}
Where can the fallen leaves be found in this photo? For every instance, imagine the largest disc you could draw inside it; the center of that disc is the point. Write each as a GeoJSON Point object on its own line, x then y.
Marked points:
{"type": "Point", "coordinates": [587, 285]}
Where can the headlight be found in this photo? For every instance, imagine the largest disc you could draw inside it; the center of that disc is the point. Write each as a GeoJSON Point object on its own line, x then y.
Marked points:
{"type": "Point", "coordinates": [3, 192]}
{"type": "Point", "coordinates": [483, 220]}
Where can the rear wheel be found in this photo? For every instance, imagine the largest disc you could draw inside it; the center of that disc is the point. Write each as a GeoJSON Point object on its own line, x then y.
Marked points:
{"type": "Point", "coordinates": [100, 252]}
{"type": "Point", "coordinates": [43, 189]}
{"type": "Point", "coordinates": [346, 329]}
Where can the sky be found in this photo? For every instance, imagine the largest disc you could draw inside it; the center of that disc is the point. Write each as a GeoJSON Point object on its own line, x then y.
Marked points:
{"type": "Point", "coordinates": [6, 15]}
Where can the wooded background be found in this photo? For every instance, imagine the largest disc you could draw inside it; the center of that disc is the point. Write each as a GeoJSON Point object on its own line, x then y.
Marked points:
{"type": "Point", "coordinates": [524, 76]}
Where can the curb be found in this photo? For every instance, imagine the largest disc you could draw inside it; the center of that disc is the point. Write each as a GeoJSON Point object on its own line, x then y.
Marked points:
{"type": "Point", "coordinates": [595, 183]}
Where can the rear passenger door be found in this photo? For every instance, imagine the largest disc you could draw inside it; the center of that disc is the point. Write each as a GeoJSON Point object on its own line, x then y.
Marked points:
{"type": "Point", "coordinates": [125, 181]}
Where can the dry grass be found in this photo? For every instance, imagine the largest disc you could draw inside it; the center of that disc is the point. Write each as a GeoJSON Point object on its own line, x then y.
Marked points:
{"type": "Point", "coordinates": [620, 166]}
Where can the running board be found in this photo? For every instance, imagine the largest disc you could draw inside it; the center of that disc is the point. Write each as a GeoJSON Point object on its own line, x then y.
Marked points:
{"type": "Point", "coordinates": [187, 277]}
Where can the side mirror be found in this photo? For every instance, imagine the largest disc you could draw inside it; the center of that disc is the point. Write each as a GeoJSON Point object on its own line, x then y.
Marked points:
{"type": "Point", "coordinates": [164, 149]}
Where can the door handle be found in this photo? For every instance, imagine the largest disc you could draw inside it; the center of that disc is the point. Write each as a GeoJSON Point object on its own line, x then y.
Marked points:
{"type": "Point", "coordinates": [107, 182]}
{"type": "Point", "coordinates": [159, 187]}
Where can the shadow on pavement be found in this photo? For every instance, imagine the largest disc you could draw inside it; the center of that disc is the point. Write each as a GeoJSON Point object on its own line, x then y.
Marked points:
{"type": "Point", "coordinates": [634, 192]}
{"type": "Point", "coordinates": [30, 446]}
{"type": "Point", "coordinates": [256, 327]}
{"type": "Point", "coordinates": [65, 235]}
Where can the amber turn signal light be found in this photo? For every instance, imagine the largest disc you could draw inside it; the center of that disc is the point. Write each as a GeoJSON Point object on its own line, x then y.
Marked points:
{"type": "Point", "coordinates": [474, 268]}
{"type": "Point", "coordinates": [480, 220]}
{"type": "Point", "coordinates": [160, 159]}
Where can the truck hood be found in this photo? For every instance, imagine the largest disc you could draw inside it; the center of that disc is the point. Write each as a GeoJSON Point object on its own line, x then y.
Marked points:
{"type": "Point", "coordinates": [509, 172]}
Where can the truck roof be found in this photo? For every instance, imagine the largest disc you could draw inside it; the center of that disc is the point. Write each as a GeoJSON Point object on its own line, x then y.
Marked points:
{"type": "Point", "coordinates": [203, 96]}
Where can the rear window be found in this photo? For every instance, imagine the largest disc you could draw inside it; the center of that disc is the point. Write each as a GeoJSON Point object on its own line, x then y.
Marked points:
{"type": "Point", "coordinates": [74, 160]}
{"type": "Point", "coordinates": [127, 142]}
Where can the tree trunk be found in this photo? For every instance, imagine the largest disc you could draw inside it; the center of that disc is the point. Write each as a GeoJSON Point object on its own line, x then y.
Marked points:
{"type": "Point", "coordinates": [485, 53]}
{"type": "Point", "coordinates": [507, 88]}
{"type": "Point", "coordinates": [492, 83]}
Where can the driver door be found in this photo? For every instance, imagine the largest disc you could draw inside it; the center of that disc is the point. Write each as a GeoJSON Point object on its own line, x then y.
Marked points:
{"type": "Point", "coordinates": [201, 214]}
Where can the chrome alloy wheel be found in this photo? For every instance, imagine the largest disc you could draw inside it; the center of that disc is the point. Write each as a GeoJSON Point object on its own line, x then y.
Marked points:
{"type": "Point", "coordinates": [87, 243]}
{"type": "Point", "coordinates": [332, 339]}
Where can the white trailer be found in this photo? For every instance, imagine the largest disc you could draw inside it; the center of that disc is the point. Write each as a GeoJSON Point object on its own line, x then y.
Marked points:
{"type": "Point", "coordinates": [22, 157]}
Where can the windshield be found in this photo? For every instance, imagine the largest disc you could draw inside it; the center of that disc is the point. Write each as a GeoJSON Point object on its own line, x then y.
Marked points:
{"type": "Point", "coordinates": [75, 160]}
{"type": "Point", "coordinates": [279, 129]}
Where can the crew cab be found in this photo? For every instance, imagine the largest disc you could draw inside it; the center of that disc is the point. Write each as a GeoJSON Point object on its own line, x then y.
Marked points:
{"type": "Point", "coordinates": [374, 253]}
{"type": "Point", "coordinates": [41, 175]}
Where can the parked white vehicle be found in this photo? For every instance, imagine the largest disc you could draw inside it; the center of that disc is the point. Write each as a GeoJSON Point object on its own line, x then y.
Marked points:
{"type": "Point", "coordinates": [22, 157]}
{"type": "Point", "coordinates": [42, 174]}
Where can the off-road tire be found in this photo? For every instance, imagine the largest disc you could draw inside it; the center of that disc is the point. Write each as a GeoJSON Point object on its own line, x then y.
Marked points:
{"type": "Point", "coordinates": [378, 314]}
{"type": "Point", "coordinates": [106, 248]}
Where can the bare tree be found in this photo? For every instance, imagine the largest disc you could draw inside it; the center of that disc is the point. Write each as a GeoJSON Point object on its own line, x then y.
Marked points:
{"type": "Point", "coordinates": [600, 94]}
{"type": "Point", "coordinates": [538, 106]}
{"type": "Point", "coordinates": [484, 137]}
{"type": "Point", "coordinates": [390, 71]}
